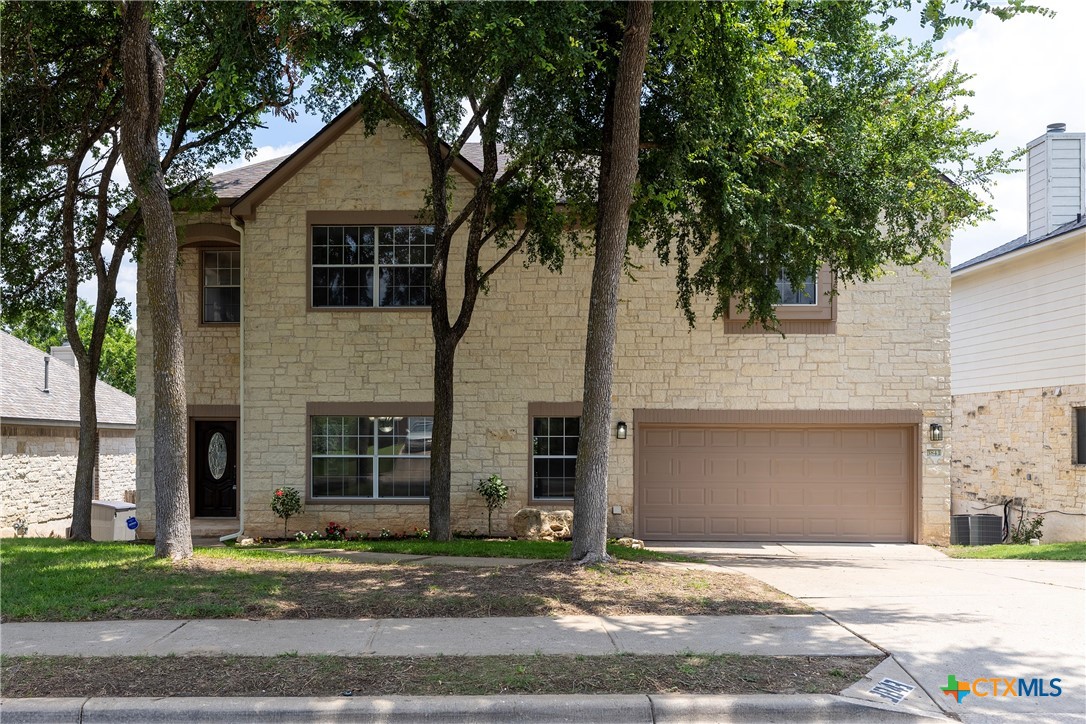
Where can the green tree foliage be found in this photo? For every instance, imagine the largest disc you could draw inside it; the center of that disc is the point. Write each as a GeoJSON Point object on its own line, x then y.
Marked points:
{"type": "Point", "coordinates": [66, 213]}
{"type": "Point", "coordinates": [417, 65]}
{"type": "Point", "coordinates": [118, 366]}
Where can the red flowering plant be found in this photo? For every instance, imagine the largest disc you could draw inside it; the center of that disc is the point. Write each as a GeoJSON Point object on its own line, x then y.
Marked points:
{"type": "Point", "coordinates": [335, 531]}
{"type": "Point", "coordinates": [285, 503]}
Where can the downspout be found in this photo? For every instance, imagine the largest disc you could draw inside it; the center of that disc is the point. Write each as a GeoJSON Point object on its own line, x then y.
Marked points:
{"type": "Point", "coordinates": [240, 443]}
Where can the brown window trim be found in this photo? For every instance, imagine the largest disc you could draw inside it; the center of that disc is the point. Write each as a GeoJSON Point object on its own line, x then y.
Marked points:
{"type": "Point", "coordinates": [359, 409]}
{"type": "Point", "coordinates": [353, 218]}
{"type": "Point", "coordinates": [201, 249]}
{"type": "Point", "coordinates": [547, 409]}
{"type": "Point", "coordinates": [820, 318]}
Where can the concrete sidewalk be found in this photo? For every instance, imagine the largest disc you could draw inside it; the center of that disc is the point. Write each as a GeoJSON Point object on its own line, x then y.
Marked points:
{"type": "Point", "coordinates": [805, 635]}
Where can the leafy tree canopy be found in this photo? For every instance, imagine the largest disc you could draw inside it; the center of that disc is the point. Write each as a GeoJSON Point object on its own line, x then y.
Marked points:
{"type": "Point", "coordinates": [782, 136]}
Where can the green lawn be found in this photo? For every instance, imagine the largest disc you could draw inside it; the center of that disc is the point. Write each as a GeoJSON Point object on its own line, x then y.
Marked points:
{"type": "Point", "coordinates": [49, 579]}
{"type": "Point", "coordinates": [476, 548]}
{"type": "Point", "coordinates": [1044, 552]}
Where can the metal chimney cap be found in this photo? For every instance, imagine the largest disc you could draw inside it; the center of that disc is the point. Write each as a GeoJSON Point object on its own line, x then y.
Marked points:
{"type": "Point", "coordinates": [1057, 127]}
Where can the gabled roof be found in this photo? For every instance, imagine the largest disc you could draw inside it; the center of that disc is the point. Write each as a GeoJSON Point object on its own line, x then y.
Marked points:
{"type": "Point", "coordinates": [1021, 242]}
{"type": "Point", "coordinates": [231, 185]}
{"type": "Point", "coordinates": [22, 376]}
{"type": "Point", "coordinates": [246, 188]}
{"type": "Point", "coordinates": [235, 183]}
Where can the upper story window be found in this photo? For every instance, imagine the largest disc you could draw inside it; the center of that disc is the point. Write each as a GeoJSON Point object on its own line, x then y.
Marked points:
{"type": "Point", "coordinates": [808, 305]}
{"type": "Point", "coordinates": [806, 293]}
{"type": "Point", "coordinates": [221, 286]}
{"type": "Point", "coordinates": [371, 266]}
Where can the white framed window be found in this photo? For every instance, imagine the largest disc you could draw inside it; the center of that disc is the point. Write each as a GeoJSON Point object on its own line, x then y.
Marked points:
{"type": "Point", "coordinates": [221, 282]}
{"type": "Point", "coordinates": [370, 457]}
{"type": "Point", "coordinates": [370, 266]}
{"type": "Point", "coordinates": [555, 440]}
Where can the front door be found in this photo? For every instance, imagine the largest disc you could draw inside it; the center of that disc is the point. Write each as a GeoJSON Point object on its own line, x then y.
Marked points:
{"type": "Point", "coordinates": [216, 489]}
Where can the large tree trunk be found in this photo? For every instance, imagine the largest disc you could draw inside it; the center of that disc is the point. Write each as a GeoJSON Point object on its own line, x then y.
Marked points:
{"type": "Point", "coordinates": [143, 68]}
{"type": "Point", "coordinates": [618, 172]}
{"type": "Point", "coordinates": [88, 408]}
{"type": "Point", "coordinates": [88, 454]}
{"type": "Point", "coordinates": [441, 443]}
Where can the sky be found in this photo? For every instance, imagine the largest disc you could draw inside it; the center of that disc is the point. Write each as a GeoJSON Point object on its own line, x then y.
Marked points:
{"type": "Point", "coordinates": [1028, 72]}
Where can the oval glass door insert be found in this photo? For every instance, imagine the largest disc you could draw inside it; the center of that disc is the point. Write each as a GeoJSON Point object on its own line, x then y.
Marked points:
{"type": "Point", "coordinates": [216, 455]}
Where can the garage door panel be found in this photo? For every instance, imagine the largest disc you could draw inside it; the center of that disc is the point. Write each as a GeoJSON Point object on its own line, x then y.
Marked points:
{"type": "Point", "coordinates": [691, 526]}
{"type": "Point", "coordinates": [690, 438]}
{"type": "Point", "coordinates": [822, 526]}
{"type": "Point", "coordinates": [791, 496]}
{"type": "Point", "coordinates": [656, 438]}
{"type": "Point", "coordinates": [791, 527]}
{"type": "Point", "coordinates": [756, 526]}
{"type": "Point", "coordinates": [723, 439]}
{"type": "Point", "coordinates": [755, 438]}
{"type": "Point", "coordinates": [760, 468]}
{"type": "Point", "coordinates": [690, 496]}
{"type": "Point", "coordinates": [789, 468]}
{"type": "Point", "coordinates": [724, 526]}
{"type": "Point", "coordinates": [725, 495]}
{"type": "Point", "coordinates": [749, 496]}
{"type": "Point", "coordinates": [657, 496]}
{"type": "Point", "coordinates": [658, 526]}
{"type": "Point", "coordinates": [789, 438]}
{"type": "Point", "coordinates": [722, 469]}
{"type": "Point", "coordinates": [657, 467]}
{"type": "Point", "coordinates": [814, 483]}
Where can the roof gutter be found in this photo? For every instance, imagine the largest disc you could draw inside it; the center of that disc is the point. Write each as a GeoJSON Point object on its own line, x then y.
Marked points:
{"type": "Point", "coordinates": [240, 228]}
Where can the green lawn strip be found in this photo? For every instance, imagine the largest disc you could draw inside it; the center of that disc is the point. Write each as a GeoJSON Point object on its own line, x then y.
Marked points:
{"type": "Point", "coordinates": [71, 676]}
{"type": "Point", "coordinates": [56, 580]}
{"type": "Point", "coordinates": [1045, 552]}
{"type": "Point", "coordinates": [476, 548]}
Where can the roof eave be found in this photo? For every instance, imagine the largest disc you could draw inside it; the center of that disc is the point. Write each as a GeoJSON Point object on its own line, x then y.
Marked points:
{"type": "Point", "coordinates": [244, 207]}
{"type": "Point", "coordinates": [967, 267]}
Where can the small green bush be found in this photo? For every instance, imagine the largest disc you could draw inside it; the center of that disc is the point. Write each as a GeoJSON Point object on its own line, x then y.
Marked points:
{"type": "Point", "coordinates": [285, 503]}
{"type": "Point", "coordinates": [495, 493]}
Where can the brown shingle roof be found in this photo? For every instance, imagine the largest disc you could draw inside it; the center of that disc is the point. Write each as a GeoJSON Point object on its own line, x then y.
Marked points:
{"type": "Point", "coordinates": [22, 375]}
{"type": "Point", "coordinates": [235, 183]}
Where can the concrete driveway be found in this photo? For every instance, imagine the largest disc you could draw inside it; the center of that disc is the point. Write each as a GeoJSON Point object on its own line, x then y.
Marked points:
{"type": "Point", "coordinates": [939, 616]}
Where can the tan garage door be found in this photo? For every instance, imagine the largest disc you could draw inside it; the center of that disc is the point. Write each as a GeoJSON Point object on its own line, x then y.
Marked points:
{"type": "Point", "coordinates": [782, 483]}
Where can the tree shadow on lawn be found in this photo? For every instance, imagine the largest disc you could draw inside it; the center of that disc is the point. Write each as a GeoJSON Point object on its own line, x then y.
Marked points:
{"type": "Point", "coordinates": [540, 589]}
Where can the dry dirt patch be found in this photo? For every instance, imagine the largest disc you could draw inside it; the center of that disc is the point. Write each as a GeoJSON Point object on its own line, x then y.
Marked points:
{"type": "Point", "coordinates": [432, 675]}
{"type": "Point", "coordinates": [332, 589]}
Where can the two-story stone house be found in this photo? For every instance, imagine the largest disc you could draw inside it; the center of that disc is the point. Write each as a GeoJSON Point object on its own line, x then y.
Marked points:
{"type": "Point", "coordinates": [309, 358]}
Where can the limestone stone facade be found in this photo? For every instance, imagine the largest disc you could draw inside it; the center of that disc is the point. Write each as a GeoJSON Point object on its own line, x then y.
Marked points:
{"type": "Point", "coordinates": [889, 351]}
{"type": "Point", "coordinates": [1019, 444]}
{"type": "Point", "coordinates": [39, 472]}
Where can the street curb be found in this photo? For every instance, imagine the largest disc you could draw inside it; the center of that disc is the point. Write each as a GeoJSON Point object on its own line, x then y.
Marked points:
{"type": "Point", "coordinates": [605, 709]}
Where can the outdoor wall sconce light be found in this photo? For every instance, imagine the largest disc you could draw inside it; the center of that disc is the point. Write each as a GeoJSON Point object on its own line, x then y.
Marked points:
{"type": "Point", "coordinates": [936, 432]}
{"type": "Point", "coordinates": [620, 430]}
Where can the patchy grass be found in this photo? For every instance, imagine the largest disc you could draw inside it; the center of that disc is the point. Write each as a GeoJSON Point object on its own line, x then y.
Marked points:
{"type": "Point", "coordinates": [53, 676]}
{"type": "Point", "coordinates": [1044, 552]}
{"type": "Point", "coordinates": [477, 548]}
{"type": "Point", "coordinates": [55, 580]}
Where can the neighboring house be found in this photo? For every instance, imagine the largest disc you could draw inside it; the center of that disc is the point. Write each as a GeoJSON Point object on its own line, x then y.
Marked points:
{"type": "Point", "coordinates": [309, 364]}
{"type": "Point", "coordinates": [1018, 344]}
{"type": "Point", "coordinates": [39, 417]}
